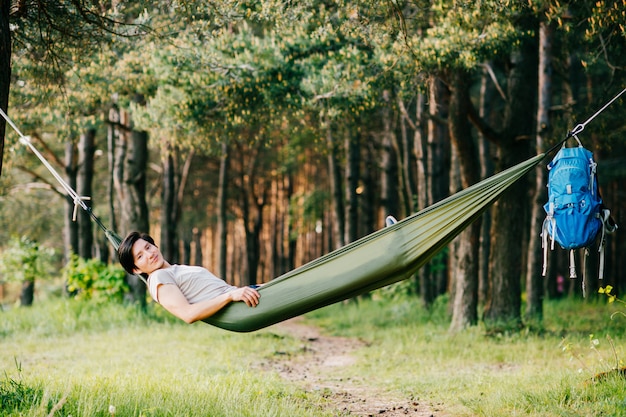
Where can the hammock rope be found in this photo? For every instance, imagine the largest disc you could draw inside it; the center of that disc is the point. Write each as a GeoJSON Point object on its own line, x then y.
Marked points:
{"type": "Point", "coordinates": [79, 201]}
{"type": "Point", "coordinates": [580, 127]}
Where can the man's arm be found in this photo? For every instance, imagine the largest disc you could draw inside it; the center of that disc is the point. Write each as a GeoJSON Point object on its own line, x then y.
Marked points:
{"type": "Point", "coordinates": [173, 300]}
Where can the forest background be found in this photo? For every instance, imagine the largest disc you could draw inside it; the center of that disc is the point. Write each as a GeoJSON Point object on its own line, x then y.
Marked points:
{"type": "Point", "coordinates": [252, 137]}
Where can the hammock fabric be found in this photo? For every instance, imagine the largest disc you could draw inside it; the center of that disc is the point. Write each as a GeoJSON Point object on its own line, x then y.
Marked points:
{"type": "Point", "coordinates": [384, 257]}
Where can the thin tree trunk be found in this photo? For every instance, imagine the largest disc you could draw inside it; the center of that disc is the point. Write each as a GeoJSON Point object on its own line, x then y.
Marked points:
{"type": "Point", "coordinates": [389, 169]}
{"type": "Point", "coordinates": [334, 174]}
{"type": "Point", "coordinates": [435, 282]}
{"type": "Point", "coordinates": [169, 209]}
{"type": "Point", "coordinates": [291, 238]}
{"type": "Point", "coordinates": [5, 68]}
{"type": "Point", "coordinates": [222, 223]}
{"type": "Point", "coordinates": [534, 280]}
{"type": "Point", "coordinates": [486, 166]}
{"type": "Point", "coordinates": [113, 131]}
{"type": "Point", "coordinates": [71, 227]}
{"type": "Point", "coordinates": [86, 150]}
{"type": "Point", "coordinates": [352, 183]}
{"type": "Point", "coordinates": [253, 221]}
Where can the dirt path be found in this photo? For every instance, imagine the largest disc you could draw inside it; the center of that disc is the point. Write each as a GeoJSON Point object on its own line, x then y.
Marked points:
{"type": "Point", "coordinates": [318, 368]}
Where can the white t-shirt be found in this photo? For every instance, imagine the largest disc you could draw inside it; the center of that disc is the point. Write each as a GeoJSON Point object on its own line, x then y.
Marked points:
{"type": "Point", "coordinates": [196, 283]}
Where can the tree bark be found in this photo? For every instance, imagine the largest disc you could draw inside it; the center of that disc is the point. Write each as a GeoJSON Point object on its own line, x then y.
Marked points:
{"type": "Point", "coordinates": [169, 209]}
{"type": "Point", "coordinates": [27, 293]}
{"type": "Point", "coordinates": [71, 227]}
{"type": "Point", "coordinates": [464, 264]}
{"type": "Point", "coordinates": [84, 181]}
{"type": "Point", "coordinates": [435, 281]}
{"type": "Point", "coordinates": [222, 198]}
{"type": "Point", "coordinates": [254, 196]}
{"type": "Point", "coordinates": [352, 183]}
{"type": "Point", "coordinates": [5, 69]}
{"type": "Point", "coordinates": [389, 170]}
{"type": "Point", "coordinates": [113, 132]}
{"type": "Point", "coordinates": [334, 173]}
{"type": "Point", "coordinates": [486, 96]}
{"type": "Point", "coordinates": [534, 280]}
{"type": "Point", "coordinates": [131, 159]}
{"type": "Point", "coordinates": [510, 226]}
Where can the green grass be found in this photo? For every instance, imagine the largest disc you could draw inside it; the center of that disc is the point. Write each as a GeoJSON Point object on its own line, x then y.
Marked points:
{"type": "Point", "coordinates": [548, 372]}
{"type": "Point", "coordinates": [97, 356]}
{"type": "Point", "coordinates": [93, 356]}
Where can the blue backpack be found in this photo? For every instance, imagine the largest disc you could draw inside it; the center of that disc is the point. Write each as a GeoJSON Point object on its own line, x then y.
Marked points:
{"type": "Point", "coordinates": [575, 214]}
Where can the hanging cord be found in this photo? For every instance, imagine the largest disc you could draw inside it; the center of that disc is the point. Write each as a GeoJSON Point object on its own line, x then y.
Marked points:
{"type": "Point", "coordinates": [580, 127]}
{"type": "Point", "coordinates": [79, 201]}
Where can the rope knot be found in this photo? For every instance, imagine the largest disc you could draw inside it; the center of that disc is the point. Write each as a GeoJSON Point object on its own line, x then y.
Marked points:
{"type": "Point", "coordinates": [79, 201]}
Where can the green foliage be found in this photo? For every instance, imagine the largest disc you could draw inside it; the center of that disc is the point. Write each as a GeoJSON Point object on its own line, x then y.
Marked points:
{"type": "Point", "coordinates": [25, 260]}
{"type": "Point", "coordinates": [16, 397]}
{"type": "Point", "coordinates": [94, 280]}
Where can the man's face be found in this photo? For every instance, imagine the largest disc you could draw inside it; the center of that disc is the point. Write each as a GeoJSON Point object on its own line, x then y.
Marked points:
{"type": "Point", "coordinates": [148, 257]}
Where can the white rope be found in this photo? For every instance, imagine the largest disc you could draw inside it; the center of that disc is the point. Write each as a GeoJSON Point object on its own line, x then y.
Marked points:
{"type": "Point", "coordinates": [78, 200]}
{"type": "Point", "coordinates": [579, 128]}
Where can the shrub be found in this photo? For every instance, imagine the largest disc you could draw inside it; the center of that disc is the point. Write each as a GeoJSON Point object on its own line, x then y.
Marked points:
{"type": "Point", "coordinates": [93, 279]}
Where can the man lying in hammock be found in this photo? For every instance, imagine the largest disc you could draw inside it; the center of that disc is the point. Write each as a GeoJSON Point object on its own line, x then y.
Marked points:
{"type": "Point", "coordinates": [191, 293]}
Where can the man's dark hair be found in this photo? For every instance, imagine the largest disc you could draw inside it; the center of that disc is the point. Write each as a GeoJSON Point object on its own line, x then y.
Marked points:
{"type": "Point", "coordinates": [125, 251]}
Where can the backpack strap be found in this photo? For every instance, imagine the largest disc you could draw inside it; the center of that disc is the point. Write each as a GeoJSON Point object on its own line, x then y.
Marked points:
{"type": "Point", "coordinates": [608, 226]}
{"type": "Point", "coordinates": [572, 265]}
{"type": "Point", "coordinates": [545, 235]}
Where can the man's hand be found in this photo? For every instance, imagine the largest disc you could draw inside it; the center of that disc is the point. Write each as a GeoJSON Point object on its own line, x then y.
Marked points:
{"type": "Point", "coordinates": [248, 295]}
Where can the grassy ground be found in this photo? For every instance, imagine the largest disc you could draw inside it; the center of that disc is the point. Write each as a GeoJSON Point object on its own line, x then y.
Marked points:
{"type": "Point", "coordinates": [103, 360]}
{"type": "Point", "coordinates": [546, 372]}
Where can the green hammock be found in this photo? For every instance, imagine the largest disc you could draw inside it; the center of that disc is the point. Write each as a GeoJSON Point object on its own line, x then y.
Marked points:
{"type": "Point", "coordinates": [386, 256]}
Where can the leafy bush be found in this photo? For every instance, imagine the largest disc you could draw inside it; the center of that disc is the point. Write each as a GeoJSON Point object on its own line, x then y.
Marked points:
{"type": "Point", "coordinates": [93, 279]}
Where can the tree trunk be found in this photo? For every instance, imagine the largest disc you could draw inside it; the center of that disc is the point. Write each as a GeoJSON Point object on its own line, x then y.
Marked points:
{"type": "Point", "coordinates": [27, 293]}
{"type": "Point", "coordinates": [534, 280]}
{"type": "Point", "coordinates": [71, 227]}
{"type": "Point", "coordinates": [465, 265]}
{"type": "Point", "coordinates": [334, 174]}
{"type": "Point", "coordinates": [169, 210]}
{"type": "Point", "coordinates": [222, 198]}
{"type": "Point", "coordinates": [131, 158]}
{"type": "Point", "coordinates": [486, 166]}
{"type": "Point", "coordinates": [113, 132]}
{"type": "Point", "coordinates": [253, 222]}
{"type": "Point", "coordinates": [197, 242]}
{"type": "Point", "coordinates": [5, 69]}
{"type": "Point", "coordinates": [434, 281]}
{"type": "Point", "coordinates": [509, 226]}
{"type": "Point", "coordinates": [389, 204]}
{"type": "Point", "coordinates": [352, 184]}
{"type": "Point", "coordinates": [84, 181]}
